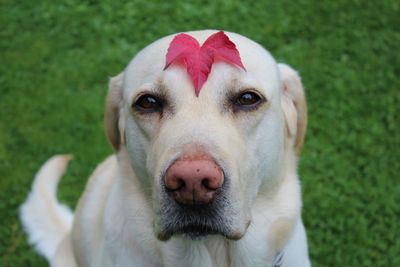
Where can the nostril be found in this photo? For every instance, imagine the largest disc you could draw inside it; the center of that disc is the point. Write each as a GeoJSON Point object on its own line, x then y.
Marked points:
{"type": "Point", "coordinates": [180, 183]}
{"type": "Point", "coordinates": [212, 182]}
{"type": "Point", "coordinates": [175, 183]}
{"type": "Point", "coordinates": [206, 183]}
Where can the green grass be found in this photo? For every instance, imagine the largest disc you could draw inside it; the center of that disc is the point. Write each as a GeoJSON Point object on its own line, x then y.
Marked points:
{"type": "Point", "coordinates": [56, 58]}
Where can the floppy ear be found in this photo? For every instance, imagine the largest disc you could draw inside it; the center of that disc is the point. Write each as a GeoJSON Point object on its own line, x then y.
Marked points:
{"type": "Point", "coordinates": [294, 105]}
{"type": "Point", "coordinates": [112, 121]}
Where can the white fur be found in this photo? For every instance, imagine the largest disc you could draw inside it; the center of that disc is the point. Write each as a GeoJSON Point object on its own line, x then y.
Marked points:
{"type": "Point", "coordinates": [117, 219]}
{"type": "Point", "coordinates": [44, 219]}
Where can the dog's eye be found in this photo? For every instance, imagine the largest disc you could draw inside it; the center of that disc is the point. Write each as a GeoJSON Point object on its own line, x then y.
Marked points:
{"type": "Point", "coordinates": [247, 100]}
{"type": "Point", "coordinates": [148, 103]}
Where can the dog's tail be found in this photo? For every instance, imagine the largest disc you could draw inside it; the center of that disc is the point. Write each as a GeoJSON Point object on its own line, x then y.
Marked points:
{"type": "Point", "coordinates": [45, 220]}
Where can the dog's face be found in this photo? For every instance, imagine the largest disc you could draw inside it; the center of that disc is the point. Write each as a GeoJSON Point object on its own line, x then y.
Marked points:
{"type": "Point", "coordinates": [202, 161]}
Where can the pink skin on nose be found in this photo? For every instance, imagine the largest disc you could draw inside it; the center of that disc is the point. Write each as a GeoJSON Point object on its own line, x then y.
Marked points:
{"type": "Point", "coordinates": [194, 179]}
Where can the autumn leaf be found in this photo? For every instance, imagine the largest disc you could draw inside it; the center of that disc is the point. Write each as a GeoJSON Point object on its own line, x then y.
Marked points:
{"type": "Point", "coordinates": [184, 49]}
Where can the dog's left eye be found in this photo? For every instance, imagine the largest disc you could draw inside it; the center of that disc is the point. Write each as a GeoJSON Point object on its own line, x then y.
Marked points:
{"type": "Point", "coordinates": [148, 103]}
{"type": "Point", "coordinates": [247, 100]}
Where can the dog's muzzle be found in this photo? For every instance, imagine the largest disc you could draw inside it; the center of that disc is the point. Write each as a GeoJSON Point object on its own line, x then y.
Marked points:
{"type": "Point", "coordinates": [194, 201]}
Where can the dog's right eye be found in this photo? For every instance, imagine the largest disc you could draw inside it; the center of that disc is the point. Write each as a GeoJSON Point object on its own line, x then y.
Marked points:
{"type": "Point", "coordinates": [148, 103]}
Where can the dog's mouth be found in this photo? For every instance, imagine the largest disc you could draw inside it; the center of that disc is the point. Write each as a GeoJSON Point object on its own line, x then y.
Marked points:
{"type": "Point", "coordinates": [194, 221]}
{"type": "Point", "coordinates": [196, 231]}
{"type": "Point", "coordinates": [199, 231]}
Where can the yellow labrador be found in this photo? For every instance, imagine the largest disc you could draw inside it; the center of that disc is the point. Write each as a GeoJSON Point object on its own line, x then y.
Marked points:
{"type": "Point", "coordinates": [207, 180]}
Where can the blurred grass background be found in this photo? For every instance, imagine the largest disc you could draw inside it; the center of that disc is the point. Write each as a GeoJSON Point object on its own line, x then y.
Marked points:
{"type": "Point", "coordinates": [56, 58]}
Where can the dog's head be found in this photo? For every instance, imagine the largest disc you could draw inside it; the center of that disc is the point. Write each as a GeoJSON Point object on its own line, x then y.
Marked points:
{"type": "Point", "coordinates": [203, 160]}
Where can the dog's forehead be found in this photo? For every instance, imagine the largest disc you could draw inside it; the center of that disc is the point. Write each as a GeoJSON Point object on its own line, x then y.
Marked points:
{"type": "Point", "coordinates": [147, 67]}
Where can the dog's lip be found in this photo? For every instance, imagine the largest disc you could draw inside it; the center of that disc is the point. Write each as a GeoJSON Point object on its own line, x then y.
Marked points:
{"type": "Point", "coordinates": [198, 231]}
{"type": "Point", "coordinates": [193, 231]}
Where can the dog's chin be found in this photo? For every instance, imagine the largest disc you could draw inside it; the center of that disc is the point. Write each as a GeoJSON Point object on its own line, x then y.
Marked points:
{"type": "Point", "coordinates": [197, 232]}
{"type": "Point", "coordinates": [194, 232]}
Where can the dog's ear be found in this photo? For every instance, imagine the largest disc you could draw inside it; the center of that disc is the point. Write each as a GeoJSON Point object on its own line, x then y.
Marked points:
{"type": "Point", "coordinates": [112, 121]}
{"type": "Point", "coordinates": [294, 105]}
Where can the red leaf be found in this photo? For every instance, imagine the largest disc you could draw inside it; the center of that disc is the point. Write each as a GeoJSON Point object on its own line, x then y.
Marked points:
{"type": "Point", "coordinates": [180, 47]}
{"type": "Point", "coordinates": [198, 60]}
{"type": "Point", "coordinates": [223, 48]}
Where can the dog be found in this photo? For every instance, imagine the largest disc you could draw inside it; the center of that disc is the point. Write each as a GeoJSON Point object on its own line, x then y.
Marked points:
{"type": "Point", "coordinates": [199, 178]}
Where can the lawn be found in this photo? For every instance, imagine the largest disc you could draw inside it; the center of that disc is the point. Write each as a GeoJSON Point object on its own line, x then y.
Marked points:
{"type": "Point", "coordinates": [57, 56]}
